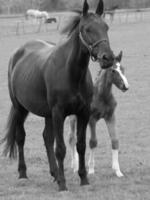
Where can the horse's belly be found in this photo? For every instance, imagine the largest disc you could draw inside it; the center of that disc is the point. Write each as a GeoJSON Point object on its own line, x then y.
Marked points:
{"type": "Point", "coordinates": [29, 90]}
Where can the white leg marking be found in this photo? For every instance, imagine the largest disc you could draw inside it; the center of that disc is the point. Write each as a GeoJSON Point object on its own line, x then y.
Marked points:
{"type": "Point", "coordinates": [91, 162]}
{"type": "Point", "coordinates": [115, 163]}
{"type": "Point", "coordinates": [72, 142]}
{"type": "Point", "coordinates": [75, 159]}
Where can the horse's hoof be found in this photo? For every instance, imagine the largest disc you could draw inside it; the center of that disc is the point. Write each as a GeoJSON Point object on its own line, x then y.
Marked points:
{"type": "Point", "coordinates": [91, 171]}
{"type": "Point", "coordinates": [62, 188]}
{"type": "Point", "coordinates": [84, 182]}
{"type": "Point", "coordinates": [54, 175]}
{"type": "Point", "coordinates": [119, 174]}
{"type": "Point", "coordinates": [23, 176]}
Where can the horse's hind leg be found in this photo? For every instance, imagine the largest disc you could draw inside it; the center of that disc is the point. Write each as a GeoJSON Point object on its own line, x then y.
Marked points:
{"type": "Point", "coordinates": [110, 122]}
{"type": "Point", "coordinates": [20, 140]}
{"type": "Point", "coordinates": [48, 136]}
{"type": "Point", "coordinates": [92, 144]}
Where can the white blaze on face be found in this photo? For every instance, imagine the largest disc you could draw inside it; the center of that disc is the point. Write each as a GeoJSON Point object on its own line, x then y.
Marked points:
{"type": "Point", "coordinates": [122, 75]}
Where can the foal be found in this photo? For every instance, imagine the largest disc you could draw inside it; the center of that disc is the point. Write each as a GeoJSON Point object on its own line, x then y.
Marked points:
{"type": "Point", "coordinates": [103, 106]}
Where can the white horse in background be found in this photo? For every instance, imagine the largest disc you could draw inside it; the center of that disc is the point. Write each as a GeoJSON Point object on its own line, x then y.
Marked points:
{"type": "Point", "coordinates": [36, 15]}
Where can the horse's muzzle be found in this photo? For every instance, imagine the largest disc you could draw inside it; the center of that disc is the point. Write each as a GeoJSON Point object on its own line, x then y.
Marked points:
{"type": "Point", "coordinates": [106, 60]}
{"type": "Point", "coordinates": [124, 88]}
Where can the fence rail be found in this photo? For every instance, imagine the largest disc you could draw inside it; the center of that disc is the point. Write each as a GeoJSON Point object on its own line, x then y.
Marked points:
{"type": "Point", "coordinates": [16, 24]}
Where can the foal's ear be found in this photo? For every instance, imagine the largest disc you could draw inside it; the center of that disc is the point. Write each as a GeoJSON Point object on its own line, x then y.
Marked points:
{"type": "Point", "coordinates": [119, 57]}
{"type": "Point", "coordinates": [100, 8]}
{"type": "Point", "coordinates": [85, 7]}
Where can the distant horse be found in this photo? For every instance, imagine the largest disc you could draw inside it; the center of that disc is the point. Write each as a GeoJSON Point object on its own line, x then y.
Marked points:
{"type": "Point", "coordinates": [102, 106]}
{"type": "Point", "coordinates": [54, 83]}
{"type": "Point", "coordinates": [36, 14]}
{"type": "Point", "coordinates": [50, 20]}
{"type": "Point", "coordinates": [111, 12]}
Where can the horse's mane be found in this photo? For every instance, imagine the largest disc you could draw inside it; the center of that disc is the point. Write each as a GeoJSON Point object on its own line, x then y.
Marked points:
{"type": "Point", "coordinates": [72, 24]}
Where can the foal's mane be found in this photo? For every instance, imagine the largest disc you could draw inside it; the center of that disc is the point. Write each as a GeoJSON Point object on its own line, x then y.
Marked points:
{"type": "Point", "coordinates": [72, 24]}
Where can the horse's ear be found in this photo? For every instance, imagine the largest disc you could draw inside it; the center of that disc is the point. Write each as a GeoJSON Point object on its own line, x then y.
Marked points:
{"type": "Point", "coordinates": [119, 57]}
{"type": "Point", "coordinates": [100, 8]}
{"type": "Point", "coordinates": [85, 7]}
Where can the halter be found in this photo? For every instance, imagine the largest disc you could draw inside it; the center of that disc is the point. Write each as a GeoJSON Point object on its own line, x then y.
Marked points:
{"type": "Point", "coordinates": [90, 47]}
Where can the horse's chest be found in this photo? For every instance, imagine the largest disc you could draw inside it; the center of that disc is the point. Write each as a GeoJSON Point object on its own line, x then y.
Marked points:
{"type": "Point", "coordinates": [102, 110]}
{"type": "Point", "coordinates": [76, 103]}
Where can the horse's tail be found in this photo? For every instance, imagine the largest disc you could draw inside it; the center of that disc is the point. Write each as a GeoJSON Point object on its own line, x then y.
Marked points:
{"type": "Point", "coordinates": [14, 115]}
{"type": "Point", "coordinates": [10, 137]}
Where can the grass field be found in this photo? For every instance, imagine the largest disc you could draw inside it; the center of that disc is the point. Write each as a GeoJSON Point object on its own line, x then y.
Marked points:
{"type": "Point", "coordinates": [133, 126]}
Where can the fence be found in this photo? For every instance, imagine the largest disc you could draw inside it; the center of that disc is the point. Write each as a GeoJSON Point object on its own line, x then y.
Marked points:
{"type": "Point", "coordinates": [128, 15]}
{"type": "Point", "coordinates": [16, 24]}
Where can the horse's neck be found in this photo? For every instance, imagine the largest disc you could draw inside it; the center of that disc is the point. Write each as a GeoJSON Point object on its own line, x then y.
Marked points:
{"type": "Point", "coordinates": [103, 85]}
{"type": "Point", "coordinates": [78, 61]}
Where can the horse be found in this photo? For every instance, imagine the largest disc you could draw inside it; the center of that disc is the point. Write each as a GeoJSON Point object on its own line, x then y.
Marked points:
{"type": "Point", "coordinates": [54, 82]}
{"type": "Point", "coordinates": [51, 20]}
{"type": "Point", "coordinates": [36, 14]}
{"type": "Point", "coordinates": [102, 107]}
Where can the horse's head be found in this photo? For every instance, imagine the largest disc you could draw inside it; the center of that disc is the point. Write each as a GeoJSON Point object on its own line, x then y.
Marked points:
{"type": "Point", "coordinates": [117, 74]}
{"type": "Point", "coordinates": [93, 35]}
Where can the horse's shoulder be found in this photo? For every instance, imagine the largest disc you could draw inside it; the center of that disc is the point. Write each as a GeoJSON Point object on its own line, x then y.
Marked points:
{"type": "Point", "coordinates": [110, 107]}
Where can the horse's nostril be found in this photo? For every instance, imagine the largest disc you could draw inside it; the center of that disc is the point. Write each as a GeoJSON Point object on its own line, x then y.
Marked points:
{"type": "Point", "coordinates": [125, 88]}
{"type": "Point", "coordinates": [105, 57]}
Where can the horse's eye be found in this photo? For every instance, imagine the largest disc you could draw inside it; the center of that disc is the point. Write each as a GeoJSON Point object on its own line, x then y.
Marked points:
{"type": "Point", "coordinates": [88, 30]}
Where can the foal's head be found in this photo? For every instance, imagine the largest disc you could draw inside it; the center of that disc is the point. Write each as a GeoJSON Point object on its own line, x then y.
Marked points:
{"type": "Point", "coordinates": [92, 32]}
{"type": "Point", "coordinates": [117, 74]}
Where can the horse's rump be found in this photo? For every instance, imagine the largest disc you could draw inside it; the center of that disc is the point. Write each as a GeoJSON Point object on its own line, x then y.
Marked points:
{"type": "Point", "coordinates": [26, 82]}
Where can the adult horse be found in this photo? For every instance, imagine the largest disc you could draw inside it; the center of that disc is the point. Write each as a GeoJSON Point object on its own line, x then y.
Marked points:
{"type": "Point", "coordinates": [102, 107]}
{"type": "Point", "coordinates": [54, 83]}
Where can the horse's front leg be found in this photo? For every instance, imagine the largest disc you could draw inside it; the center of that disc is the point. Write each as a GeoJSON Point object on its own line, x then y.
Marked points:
{"type": "Point", "coordinates": [58, 122]}
{"type": "Point", "coordinates": [82, 121]}
{"type": "Point", "coordinates": [48, 136]}
{"type": "Point", "coordinates": [115, 144]}
{"type": "Point", "coordinates": [72, 143]}
{"type": "Point", "coordinates": [92, 144]}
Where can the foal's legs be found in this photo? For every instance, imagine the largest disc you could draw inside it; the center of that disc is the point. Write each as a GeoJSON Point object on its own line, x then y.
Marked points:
{"type": "Point", "coordinates": [20, 140]}
{"type": "Point", "coordinates": [58, 122]}
{"type": "Point", "coordinates": [72, 143]}
{"type": "Point", "coordinates": [82, 121]}
{"type": "Point", "coordinates": [48, 136]}
{"type": "Point", "coordinates": [92, 144]}
{"type": "Point", "coordinates": [115, 144]}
